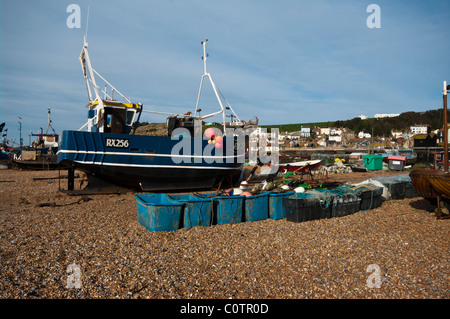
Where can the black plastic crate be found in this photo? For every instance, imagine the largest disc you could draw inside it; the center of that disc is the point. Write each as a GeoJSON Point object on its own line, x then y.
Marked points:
{"type": "Point", "coordinates": [410, 192]}
{"type": "Point", "coordinates": [396, 189]}
{"type": "Point", "coordinates": [352, 205]}
{"type": "Point", "coordinates": [371, 199]}
{"type": "Point", "coordinates": [305, 209]}
{"type": "Point", "coordinates": [345, 205]}
{"type": "Point", "coordinates": [337, 209]}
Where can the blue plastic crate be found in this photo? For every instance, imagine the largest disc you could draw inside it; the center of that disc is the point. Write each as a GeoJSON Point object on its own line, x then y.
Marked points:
{"type": "Point", "coordinates": [256, 207]}
{"type": "Point", "coordinates": [197, 210]}
{"type": "Point", "coordinates": [276, 207]}
{"type": "Point", "coordinates": [157, 212]}
{"type": "Point", "coordinates": [228, 209]}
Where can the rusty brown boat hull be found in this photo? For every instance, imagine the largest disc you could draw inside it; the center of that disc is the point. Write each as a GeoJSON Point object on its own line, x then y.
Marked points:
{"type": "Point", "coordinates": [441, 184]}
{"type": "Point", "coordinates": [431, 183]}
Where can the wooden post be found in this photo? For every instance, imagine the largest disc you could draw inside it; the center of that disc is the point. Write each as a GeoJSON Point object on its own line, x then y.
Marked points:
{"type": "Point", "coordinates": [70, 179]}
{"type": "Point", "coordinates": [445, 128]}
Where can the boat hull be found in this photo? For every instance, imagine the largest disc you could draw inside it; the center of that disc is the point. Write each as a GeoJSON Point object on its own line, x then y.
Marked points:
{"type": "Point", "coordinates": [42, 162]}
{"type": "Point", "coordinates": [146, 163]}
{"type": "Point", "coordinates": [408, 160]}
{"type": "Point", "coordinates": [409, 157]}
{"type": "Point", "coordinates": [300, 166]}
{"type": "Point", "coordinates": [431, 183]}
{"type": "Point", "coordinates": [159, 179]}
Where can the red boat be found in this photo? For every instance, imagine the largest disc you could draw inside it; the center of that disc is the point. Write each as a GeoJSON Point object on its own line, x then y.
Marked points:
{"type": "Point", "coordinates": [299, 167]}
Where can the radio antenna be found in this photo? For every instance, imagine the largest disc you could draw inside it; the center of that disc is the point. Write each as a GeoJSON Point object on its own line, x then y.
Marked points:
{"type": "Point", "coordinates": [87, 24]}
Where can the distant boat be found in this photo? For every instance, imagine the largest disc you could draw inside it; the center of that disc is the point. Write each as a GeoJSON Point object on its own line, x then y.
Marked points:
{"type": "Point", "coordinates": [410, 156]}
{"type": "Point", "coordinates": [32, 160]}
{"type": "Point", "coordinates": [299, 167]}
{"type": "Point", "coordinates": [42, 154]}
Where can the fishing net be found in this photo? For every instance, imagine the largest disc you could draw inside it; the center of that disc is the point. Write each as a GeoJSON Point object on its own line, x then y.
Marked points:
{"type": "Point", "coordinates": [393, 179]}
{"type": "Point", "coordinates": [398, 187]}
{"type": "Point", "coordinates": [328, 197]}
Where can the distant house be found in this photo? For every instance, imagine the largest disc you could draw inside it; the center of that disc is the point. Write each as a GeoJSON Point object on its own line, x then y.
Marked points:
{"type": "Point", "coordinates": [425, 140]}
{"type": "Point", "coordinates": [347, 135]}
{"type": "Point", "coordinates": [321, 141]}
{"type": "Point", "coordinates": [335, 131]}
{"type": "Point", "coordinates": [325, 131]}
{"type": "Point", "coordinates": [420, 129]}
{"type": "Point", "coordinates": [305, 131]}
{"type": "Point", "coordinates": [364, 135]}
{"type": "Point", "coordinates": [440, 134]}
{"type": "Point", "coordinates": [295, 136]}
{"type": "Point", "coordinates": [363, 117]}
{"type": "Point", "coordinates": [335, 138]}
{"type": "Point", "coordinates": [396, 134]}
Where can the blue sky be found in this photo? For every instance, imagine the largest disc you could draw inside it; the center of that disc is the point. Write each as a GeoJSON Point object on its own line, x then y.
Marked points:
{"type": "Point", "coordinates": [282, 61]}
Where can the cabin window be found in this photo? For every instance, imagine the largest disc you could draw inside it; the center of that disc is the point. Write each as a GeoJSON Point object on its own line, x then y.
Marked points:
{"type": "Point", "coordinates": [130, 116]}
{"type": "Point", "coordinates": [108, 120]}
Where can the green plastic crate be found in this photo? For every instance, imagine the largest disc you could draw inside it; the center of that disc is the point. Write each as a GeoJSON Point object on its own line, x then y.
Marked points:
{"type": "Point", "coordinates": [373, 162]}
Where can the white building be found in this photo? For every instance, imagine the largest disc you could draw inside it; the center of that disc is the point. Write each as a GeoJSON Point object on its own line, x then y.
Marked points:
{"type": "Point", "coordinates": [335, 131]}
{"type": "Point", "coordinates": [364, 135]}
{"type": "Point", "coordinates": [419, 128]}
{"type": "Point", "coordinates": [396, 134]}
{"type": "Point", "coordinates": [363, 117]}
{"type": "Point", "coordinates": [325, 130]}
{"type": "Point", "coordinates": [335, 138]}
{"type": "Point", "coordinates": [305, 131]}
{"type": "Point", "coordinates": [378, 116]}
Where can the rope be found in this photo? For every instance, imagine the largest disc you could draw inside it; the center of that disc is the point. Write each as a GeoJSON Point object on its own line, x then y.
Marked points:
{"type": "Point", "coordinates": [324, 196]}
{"type": "Point", "coordinates": [195, 208]}
{"type": "Point", "coordinates": [371, 202]}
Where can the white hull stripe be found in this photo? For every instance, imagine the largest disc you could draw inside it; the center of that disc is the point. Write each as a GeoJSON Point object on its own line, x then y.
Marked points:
{"type": "Point", "coordinates": [143, 154]}
{"type": "Point", "coordinates": [157, 166]}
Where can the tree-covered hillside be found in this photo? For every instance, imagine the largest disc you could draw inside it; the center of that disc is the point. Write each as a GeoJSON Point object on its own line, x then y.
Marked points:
{"type": "Point", "coordinates": [384, 126]}
{"type": "Point", "coordinates": [381, 127]}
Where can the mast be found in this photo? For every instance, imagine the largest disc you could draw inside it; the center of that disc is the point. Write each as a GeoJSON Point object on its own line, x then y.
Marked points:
{"type": "Point", "coordinates": [96, 103]}
{"type": "Point", "coordinates": [215, 88]}
{"type": "Point", "coordinates": [445, 128]}
{"type": "Point", "coordinates": [49, 125]}
{"type": "Point", "coordinates": [89, 77]}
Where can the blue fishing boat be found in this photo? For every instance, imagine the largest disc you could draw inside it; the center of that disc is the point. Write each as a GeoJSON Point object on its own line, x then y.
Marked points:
{"type": "Point", "coordinates": [109, 152]}
{"type": "Point", "coordinates": [409, 156]}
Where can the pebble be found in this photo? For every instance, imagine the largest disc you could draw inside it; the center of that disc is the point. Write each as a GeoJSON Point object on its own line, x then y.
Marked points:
{"type": "Point", "coordinates": [116, 257]}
